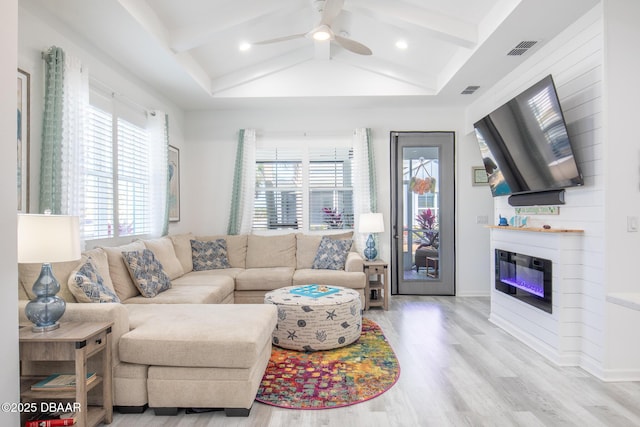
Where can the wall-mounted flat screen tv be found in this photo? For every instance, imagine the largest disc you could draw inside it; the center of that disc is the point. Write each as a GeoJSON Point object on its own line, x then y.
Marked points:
{"type": "Point", "coordinates": [525, 146]}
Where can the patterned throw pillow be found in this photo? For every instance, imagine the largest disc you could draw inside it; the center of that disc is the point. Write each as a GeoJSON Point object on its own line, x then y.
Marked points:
{"type": "Point", "coordinates": [209, 255]}
{"type": "Point", "coordinates": [146, 272]}
{"type": "Point", "coordinates": [332, 254]}
{"type": "Point", "coordinates": [87, 285]}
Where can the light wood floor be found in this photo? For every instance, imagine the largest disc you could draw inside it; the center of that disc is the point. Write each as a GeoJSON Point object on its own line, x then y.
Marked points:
{"type": "Point", "coordinates": [457, 369]}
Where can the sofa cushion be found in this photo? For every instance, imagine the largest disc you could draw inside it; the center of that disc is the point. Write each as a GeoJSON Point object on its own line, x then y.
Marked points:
{"type": "Point", "coordinates": [209, 255]}
{"type": "Point", "coordinates": [188, 294]}
{"type": "Point", "coordinates": [205, 277]}
{"type": "Point", "coordinates": [146, 272]}
{"type": "Point", "coordinates": [182, 248]}
{"type": "Point", "coordinates": [332, 254]}
{"type": "Point", "coordinates": [119, 272]}
{"type": "Point", "coordinates": [271, 251]}
{"type": "Point", "coordinates": [307, 246]}
{"type": "Point", "coordinates": [87, 285]}
{"type": "Point", "coordinates": [264, 278]}
{"type": "Point", "coordinates": [165, 253]}
{"type": "Point", "coordinates": [200, 335]}
{"type": "Point", "coordinates": [236, 248]}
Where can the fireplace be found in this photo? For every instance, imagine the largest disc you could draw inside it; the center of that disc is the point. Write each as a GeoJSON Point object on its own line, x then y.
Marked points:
{"type": "Point", "coordinates": [524, 277]}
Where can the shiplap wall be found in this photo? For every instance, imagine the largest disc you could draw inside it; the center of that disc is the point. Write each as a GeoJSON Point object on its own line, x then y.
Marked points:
{"type": "Point", "coordinates": [575, 60]}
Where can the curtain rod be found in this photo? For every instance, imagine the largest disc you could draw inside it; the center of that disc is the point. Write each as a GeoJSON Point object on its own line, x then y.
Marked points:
{"type": "Point", "coordinates": [305, 134]}
{"type": "Point", "coordinates": [112, 92]}
{"type": "Point", "coordinates": [120, 96]}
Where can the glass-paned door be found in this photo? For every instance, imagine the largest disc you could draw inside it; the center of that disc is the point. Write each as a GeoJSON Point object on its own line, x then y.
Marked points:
{"type": "Point", "coordinates": [423, 261]}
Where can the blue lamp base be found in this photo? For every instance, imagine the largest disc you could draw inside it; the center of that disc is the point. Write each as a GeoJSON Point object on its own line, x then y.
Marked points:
{"type": "Point", "coordinates": [370, 252]}
{"type": "Point", "coordinates": [46, 308]}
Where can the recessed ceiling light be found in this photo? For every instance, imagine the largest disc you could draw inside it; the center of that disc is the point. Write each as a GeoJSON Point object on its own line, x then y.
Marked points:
{"type": "Point", "coordinates": [244, 46]}
{"type": "Point", "coordinates": [402, 44]}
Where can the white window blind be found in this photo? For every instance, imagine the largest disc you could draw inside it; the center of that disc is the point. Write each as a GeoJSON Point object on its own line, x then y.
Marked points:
{"type": "Point", "coordinates": [304, 187]}
{"type": "Point", "coordinates": [133, 180]}
{"type": "Point", "coordinates": [99, 176]}
{"type": "Point", "coordinates": [279, 184]}
{"type": "Point", "coordinates": [117, 172]}
{"type": "Point", "coordinates": [330, 188]}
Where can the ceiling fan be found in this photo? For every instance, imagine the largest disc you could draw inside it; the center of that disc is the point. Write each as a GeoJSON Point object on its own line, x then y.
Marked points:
{"type": "Point", "coordinates": [323, 31]}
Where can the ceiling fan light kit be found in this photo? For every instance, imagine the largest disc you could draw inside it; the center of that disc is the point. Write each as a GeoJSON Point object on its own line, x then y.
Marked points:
{"type": "Point", "coordinates": [321, 33]}
{"type": "Point", "coordinates": [330, 10]}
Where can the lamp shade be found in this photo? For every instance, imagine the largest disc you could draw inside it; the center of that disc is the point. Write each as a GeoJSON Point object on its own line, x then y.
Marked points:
{"type": "Point", "coordinates": [371, 223]}
{"type": "Point", "coordinates": [48, 238]}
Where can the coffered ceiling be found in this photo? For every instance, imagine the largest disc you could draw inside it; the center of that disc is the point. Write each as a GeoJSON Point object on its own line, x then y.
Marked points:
{"type": "Point", "coordinates": [189, 50]}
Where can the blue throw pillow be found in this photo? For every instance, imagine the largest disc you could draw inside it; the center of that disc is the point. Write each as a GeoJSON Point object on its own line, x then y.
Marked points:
{"type": "Point", "coordinates": [209, 255]}
{"type": "Point", "coordinates": [87, 285]}
{"type": "Point", "coordinates": [147, 272]}
{"type": "Point", "coordinates": [332, 254]}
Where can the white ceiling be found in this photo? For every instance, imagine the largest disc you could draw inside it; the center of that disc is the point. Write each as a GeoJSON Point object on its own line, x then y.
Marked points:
{"type": "Point", "coordinates": [188, 49]}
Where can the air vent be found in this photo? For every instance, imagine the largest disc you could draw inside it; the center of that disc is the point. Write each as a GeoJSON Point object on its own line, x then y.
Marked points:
{"type": "Point", "coordinates": [521, 48]}
{"type": "Point", "coordinates": [469, 90]}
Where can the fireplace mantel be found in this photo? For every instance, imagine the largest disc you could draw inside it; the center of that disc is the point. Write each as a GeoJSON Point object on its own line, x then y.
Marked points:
{"type": "Point", "coordinates": [535, 229]}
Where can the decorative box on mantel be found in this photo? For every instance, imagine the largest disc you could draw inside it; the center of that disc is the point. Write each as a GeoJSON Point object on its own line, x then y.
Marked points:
{"type": "Point", "coordinates": [556, 335]}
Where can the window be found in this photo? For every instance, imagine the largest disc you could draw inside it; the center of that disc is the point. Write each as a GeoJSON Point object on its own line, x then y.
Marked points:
{"type": "Point", "coordinates": [330, 188]}
{"type": "Point", "coordinates": [303, 188]}
{"type": "Point", "coordinates": [279, 185]}
{"type": "Point", "coordinates": [117, 199]}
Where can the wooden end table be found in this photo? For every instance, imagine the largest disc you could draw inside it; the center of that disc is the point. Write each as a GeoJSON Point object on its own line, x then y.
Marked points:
{"type": "Point", "coordinates": [77, 341]}
{"type": "Point", "coordinates": [377, 284]}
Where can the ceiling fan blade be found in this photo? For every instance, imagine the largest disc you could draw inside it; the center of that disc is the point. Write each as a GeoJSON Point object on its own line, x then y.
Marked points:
{"type": "Point", "coordinates": [281, 39]}
{"type": "Point", "coordinates": [330, 10]}
{"type": "Point", "coordinates": [352, 45]}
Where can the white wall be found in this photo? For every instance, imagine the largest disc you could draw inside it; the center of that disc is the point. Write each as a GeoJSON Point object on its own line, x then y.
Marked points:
{"type": "Point", "coordinates": [35, 36]}
{"type": "Point", "coordinates": [9, 382]}
{"type": "Point", "coordinates": [210, 152]}
{"type": "Point", "coordinates": [622, 171]}
{"type": "Point", "coordinates": [594, 75]}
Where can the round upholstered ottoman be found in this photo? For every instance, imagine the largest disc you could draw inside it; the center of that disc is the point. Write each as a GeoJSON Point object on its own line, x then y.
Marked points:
{"type": "Point", "coordinates": [311, 320]}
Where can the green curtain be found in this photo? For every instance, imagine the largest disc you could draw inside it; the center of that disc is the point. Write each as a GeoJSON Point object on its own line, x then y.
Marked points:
{"type": "Point", "coordinates": [373, 199]}
{"type": "Point", "coordinates": [51, 154]}
{"type": "Point", "coordinates": [236, 215]}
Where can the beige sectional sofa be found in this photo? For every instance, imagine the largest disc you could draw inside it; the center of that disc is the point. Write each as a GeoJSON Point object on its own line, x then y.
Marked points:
{"type": "Point", "coordinates": [206, 340]}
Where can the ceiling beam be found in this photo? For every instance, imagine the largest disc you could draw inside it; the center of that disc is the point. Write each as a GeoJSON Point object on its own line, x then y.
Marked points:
{"type": "Point", "coordinates": [149, 21]}
{"type": "Point", "coordinates": [421, 80]}
{"type": "Point", "coordinates": [399, 14]}
{"type": "Point", "coordinates": [260, 70]}
{"type": "Point", "coordinates": [243, 12]}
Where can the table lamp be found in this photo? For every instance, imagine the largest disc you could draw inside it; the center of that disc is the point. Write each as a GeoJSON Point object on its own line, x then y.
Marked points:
{"type": "Point", "coordinates": [46, 239]}
{"type": "Point", "coordinates": [371, 223]}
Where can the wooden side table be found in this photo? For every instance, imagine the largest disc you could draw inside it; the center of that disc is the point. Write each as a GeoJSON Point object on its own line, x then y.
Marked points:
{"type": "Point", "coordinates": [433, 267]}
{"type": "Point", "coordinates": [77, 341]}
{"type": "Point", "coordinates": [377, 285]}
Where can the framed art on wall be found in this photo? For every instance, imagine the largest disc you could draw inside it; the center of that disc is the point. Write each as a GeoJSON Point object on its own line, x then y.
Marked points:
{"type": "Point", "coordinates": [23, 116]}
{"type": "Point", "coordinates": [479, 175]}
{"type": "Point", "coordinates": [174, 184]}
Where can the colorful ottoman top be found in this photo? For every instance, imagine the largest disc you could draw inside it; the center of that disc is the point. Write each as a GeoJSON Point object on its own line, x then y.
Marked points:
{"type": "Point", "coordinates": [316, 317]}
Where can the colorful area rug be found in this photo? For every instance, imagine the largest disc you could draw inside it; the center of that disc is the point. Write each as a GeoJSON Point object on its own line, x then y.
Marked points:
{"type": "Point", "coordinates": [331, 378]}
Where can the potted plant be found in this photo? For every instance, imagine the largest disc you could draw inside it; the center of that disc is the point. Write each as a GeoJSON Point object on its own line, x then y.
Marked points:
{"type": "Point", "coordinates": [333, 218]}
{"type": "Point", "coordinates": [427, 221]}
